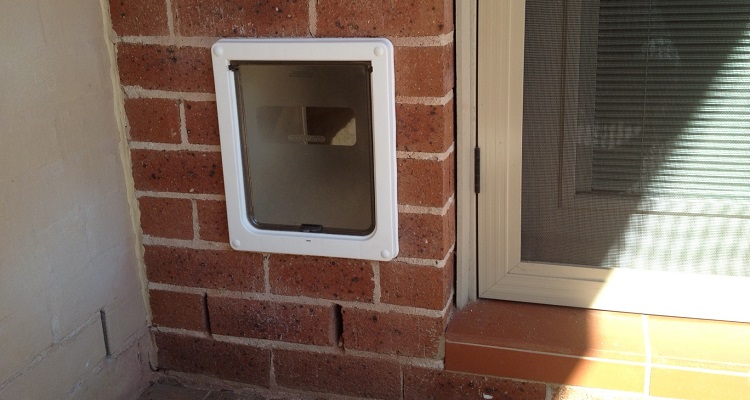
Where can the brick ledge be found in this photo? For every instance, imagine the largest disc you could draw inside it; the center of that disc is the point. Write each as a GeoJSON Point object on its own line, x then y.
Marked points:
{"type": "Point", "coordinates": [658, 356]}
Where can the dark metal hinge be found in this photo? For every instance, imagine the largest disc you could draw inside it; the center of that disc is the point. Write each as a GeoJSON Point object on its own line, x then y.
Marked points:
{"type": "Point", "coordinates": [476, 170]}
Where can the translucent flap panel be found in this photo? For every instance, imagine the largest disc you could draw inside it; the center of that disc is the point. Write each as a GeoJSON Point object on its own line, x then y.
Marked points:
{"type": "Point", "coordinates": [314, 125]}
{"type": "Point", "coordinates": [306, 134]}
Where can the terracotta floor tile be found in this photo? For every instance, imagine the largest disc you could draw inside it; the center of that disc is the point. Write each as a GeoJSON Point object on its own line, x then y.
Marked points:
{"type": "Point", "coordinates": [683, 384]}
{"type": "Point", "coordinates": [544, 367]}
{"type": "Point", "coordinates": [562, 330]}
{"type": "Point", "coordinates": [700, 343]}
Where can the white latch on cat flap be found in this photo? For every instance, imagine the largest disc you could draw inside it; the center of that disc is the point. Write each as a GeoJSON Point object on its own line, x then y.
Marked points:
{"type": "Point", "coordinates": [308, 142]}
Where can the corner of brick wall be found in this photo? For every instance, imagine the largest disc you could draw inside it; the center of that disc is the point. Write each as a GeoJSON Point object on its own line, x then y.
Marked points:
{"type": "Point", "coordinates": [347, 327]}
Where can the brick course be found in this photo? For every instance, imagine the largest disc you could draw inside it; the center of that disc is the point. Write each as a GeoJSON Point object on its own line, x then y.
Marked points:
{"type": "Point", "coordinates": [426, 235]}
{"type": "Point", "coordinates": [327, 278]}
{"type": "Point", "coordinates": [230, 361]}
{"type": "Point", "coordinates": [427, 183]}
{"type": "Point", "coordinates": [241, 18]}
{"type": "Point", "coordinates": [393, 333]}
{"type": "Point", "coordinates": [212, 220]}
{"type": "Point", "coordinates": [184, 69]}
{"type": "Point", "coordinates": [211, 269]}
{"type": "Point", "coordinates": [177, 171]}
{"type": "Point", "coordinates": [416, 285]}
{"type": "Point", "coordinates": [340, 374]}
{"type": "Point", "coordinates": [178, 310]}
{"type": "Point", "coordinates": [288, 322]}
{"type": "Point", "coordinates": [166, 218]}
{"type": "Point", "coordinates": [384, 17]}
{"type": "Point", "coordinates": [139, 17]}
{"type": "Point", "coordinates": [424, 71]}
{"type": "Point", "coordinates": [295, 305]}
{"type": "Point", "coordinates": [201, 122]}
{"type": "Point", "coordinates": [153, 120]}
{"type": "Point", "coordinates": [425, 128]}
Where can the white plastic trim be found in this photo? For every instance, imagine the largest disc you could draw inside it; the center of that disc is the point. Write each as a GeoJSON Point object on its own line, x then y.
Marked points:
{"type": "Point", "coordinates": [382, 243]}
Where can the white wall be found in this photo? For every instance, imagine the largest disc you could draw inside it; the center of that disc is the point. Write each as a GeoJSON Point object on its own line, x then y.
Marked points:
{"type": "Point", "coordinates": [67, 243]}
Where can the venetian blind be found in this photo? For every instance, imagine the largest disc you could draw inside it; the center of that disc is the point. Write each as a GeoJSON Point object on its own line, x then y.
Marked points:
{"type": "Point", "coordinates": [672, 98]}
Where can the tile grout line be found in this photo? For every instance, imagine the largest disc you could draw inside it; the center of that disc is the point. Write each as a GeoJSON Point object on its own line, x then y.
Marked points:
{"type": "Point", "coordinates": [266, 274]}
{"type": "Point", "coordinates": [419, 155]}
{"type": "Point", "coordinates": [705, 370]}
{"type": "Point", "coordinates": [183, 124]}
{"type": "Point", "coordinates": [271, 371]}
{"type": "Point", "coordinates": [443, 39]}
{"type": "Point", "coordinates": [425, 262]}
{"type": "Point", "coordinates": [173, 39]}
{"type": "Point", "coordinates": [440, 211]}
{"type": "Point", "coordinates": [647, 367]}
{"type": "Point", "coordinates": [428, 101]}
{"type": "Point", "coordinates": [179, 195]}
{"type": "Point", "coordinates": [136, 92]}
{"type": "Point", "coordinates": [312, 17]}
{"type": "Point", "coordinates": [201, 244]}
{"type": "Point", "coordinates": [377, 290]}
{"type": "Point", "coordinates": [170, 18]}
{"type": "Point", "coordinates": [156, 146]}
{"type": "Point", "coordinates": [187, 244]}
{"type": "Point", "coordinates": [196, 224]}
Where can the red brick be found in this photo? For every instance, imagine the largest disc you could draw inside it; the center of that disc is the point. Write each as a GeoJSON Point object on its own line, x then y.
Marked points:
{"type": "Point", "coordinates": [211, 269]}
{"type": "Point", "coordinates": [427, 183]}
{"type": "Point", "coordinates": [177, 171]}
{"type": "Point", "coordinates": [167, 218]}
{"type": "Point", "coordinates": [202, 122]}
{"type": "Point", "coordinates": [425, 128]}
{"type": "Point", "coordinates": [153, 120]}
{"type": "Point", "coordinates": [183, 69]}
{"type": "Point", "coordinates": [340, 374]}
{"type": "Point", "coordinates": [212, 220]}
{"type": "Point", "coordinates": [384, 17]}
{"type": "Point", "coordinates": [327, 278]}
{"type": "Point", "coordinates": [178, 310]}
{"type": "Point", "coordinates": [420, 383]}
{"type": "Point", "coordinates": [426, 235]}
{"type": "Point", "coordinates": [424, 71]}
{"type": "Point", "coordinates": [139, 17]}
{"type": "Point", "coordinates": [393, 333]}
{"type": "Point", "coordinates": [230, 361]}
{"type": "Point", "coordinates": [242, 17]}
{"type": "Point", "coordinates": [416, 285]}
{"type": "Point", "coordinates": [288, 322]}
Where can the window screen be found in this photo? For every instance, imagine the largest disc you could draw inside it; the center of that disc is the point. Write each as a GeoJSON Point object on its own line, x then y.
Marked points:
{"type": "Point", "coordinates": [636, 141]}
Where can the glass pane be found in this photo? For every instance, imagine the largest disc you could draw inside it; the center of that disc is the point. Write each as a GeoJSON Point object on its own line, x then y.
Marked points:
{"type": "Point", "coordinates": [307, 146]}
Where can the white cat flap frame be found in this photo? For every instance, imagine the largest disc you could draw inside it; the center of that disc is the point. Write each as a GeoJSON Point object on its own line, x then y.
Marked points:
{"type": "Point", "coordinates": [308, 143]}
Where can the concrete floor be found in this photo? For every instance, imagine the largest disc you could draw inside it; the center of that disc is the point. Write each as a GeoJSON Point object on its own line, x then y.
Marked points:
{"type": "Point", "coordinates": [163, 391]}
{"type": "Point", "coordinates": [171, 390]}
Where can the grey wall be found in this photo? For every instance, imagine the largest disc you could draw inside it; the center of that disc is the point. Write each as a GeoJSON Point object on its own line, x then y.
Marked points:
{"type": "Point", "coordinates": [67, 243]}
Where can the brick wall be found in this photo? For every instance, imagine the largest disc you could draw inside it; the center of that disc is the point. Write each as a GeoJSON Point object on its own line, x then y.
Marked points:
{"type": "Point", "coordinates": [348, 327]}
